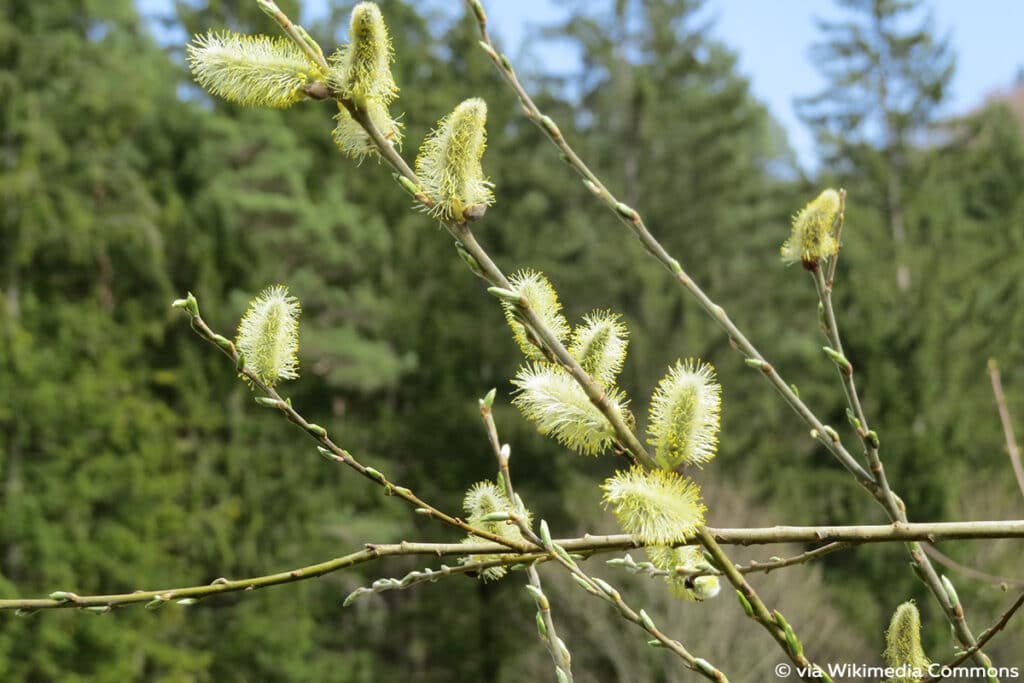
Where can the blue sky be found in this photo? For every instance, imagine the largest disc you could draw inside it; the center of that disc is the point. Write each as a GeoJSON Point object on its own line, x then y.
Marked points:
{"type": "Point", "coordinates": [773, 38]}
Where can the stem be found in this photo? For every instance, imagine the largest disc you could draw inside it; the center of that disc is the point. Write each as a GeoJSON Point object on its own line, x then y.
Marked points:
{"type": "Point", "coordinates": [1004, 418]}
{"type": "Point", "coordinates": [831, 331]}
{"type": "Point", "coordinates": [970, 572]}
{"type": "Point", "coordinates": [338, 454]}
{"type": "Point", "coordinates": [584, 544]}
{"type": "Point", "coordinates": [556, 647]}
{"type": "Point", "coordinates": [606, 592]}
{"type": "Point", "coordinates": [774, 624]}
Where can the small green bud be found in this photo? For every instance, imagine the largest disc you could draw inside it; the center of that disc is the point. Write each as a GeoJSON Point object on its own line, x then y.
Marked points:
{"type": "Point", "coordinates": [542, 628]}
{"type": "Point", "coordinates": [839, 359]}
{"type": "Point", "coordinates": [545, 533]}
{"type": "Point", "coordinates": [551, 127]}
{"type": "Point", "coordinates": [655, 643]}
{"type": "Point", "coordinates": [187, 602]}
{"type": "Point", "coordinates": [605, 586]}
{"type": "Point", "coordinates": [409, 186]}
{"type": "Point", "coordinates": [224, 343]}
{"type": "Point", "coordinates": [156, 603]}
{"type": "Point", "coordinates": [562, 553]}
{"type": "Point", "coordinates": [470, 261]}
{"type": "Point", "coordinates": [584, 584]}
{"type": "Point", "coordinates": [488, 49]}
{"type": "Point", "coordinates": [706, 667]}
{"type": "Point", "coordinates": [745, 604]}
{"type": "Point", "coordinates": [478, 10]}
{"type": "Point", "coordinates": [496, 517]}
{"type": "Point", "coordinates": [954, 599]}
{"type": "Point", "coordinates": [97, 609]}
{"type": "Point", "coordinates": [505, 295]}
{"type": "Point", "coordinates": [647, 621]}
{"type": "Point", "coordinates": [538, 597]}
{"type": "Point", "coordinates": [873, 439]}
{"type": "Point", "coordinates": [192, 305]}
{"type": "Point", "coordinates": [317, 431]}
{"type": "Point", "coordinates": [626, 211]}
{"type": "Point", "coordinates": [63, 596]}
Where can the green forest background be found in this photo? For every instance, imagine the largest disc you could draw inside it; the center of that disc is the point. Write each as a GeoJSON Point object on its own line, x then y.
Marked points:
{"type": "Point", "coordinates": [130, 456]}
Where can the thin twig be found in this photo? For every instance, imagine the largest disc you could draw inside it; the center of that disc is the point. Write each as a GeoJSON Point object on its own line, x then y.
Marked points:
{"type": "Point", "coordinates": [982, 640]}
{"type": "Point", "coordinates": [1004, 418]}
{"type": "Point", "coordinates": [336, 453]}
{"type": "Point", "coordinates": [603, 590]}
{"type": "Point", "coordinates": [556, 647]}
{"type": "Point", "coordinates": [970, 572]}
{"type": "Point", "coordinates": [755, 608]}
{"type": "Point", "coordinates": [648, 568]}
{"type": "Point", "coordinates": [831, 330]}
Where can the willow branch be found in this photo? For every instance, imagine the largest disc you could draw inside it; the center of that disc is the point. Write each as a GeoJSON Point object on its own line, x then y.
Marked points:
{"type": "Point", "coordinates": [982, 640]}
{"type": "Point", "coordinates": [559, 652]}
{"type": "Point", "coordinates": [552, 346]}
{"type": "Point", "coordinates": [331, 450]}
{"type": "Point", "coordinates": [635, 223]}
{"type": "Point", "coordinates": [774, 623]}
{"type": "Point", "coordinates": [831, 329]}
{"type": "Point", "coordinates": [603, 590]}
{"type": "Point", "coordinates": [584, 544]}
{"type": "Point", "coordinates": [1004, 418]}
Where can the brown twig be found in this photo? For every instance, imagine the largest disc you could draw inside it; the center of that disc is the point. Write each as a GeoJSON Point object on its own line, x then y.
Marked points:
{"type": "Point", "coordinates": [1004, 418]}
{"type": "Point", "coordinates": [982, 640]}
{"type": "Point", "coordinates": [970, 572]}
